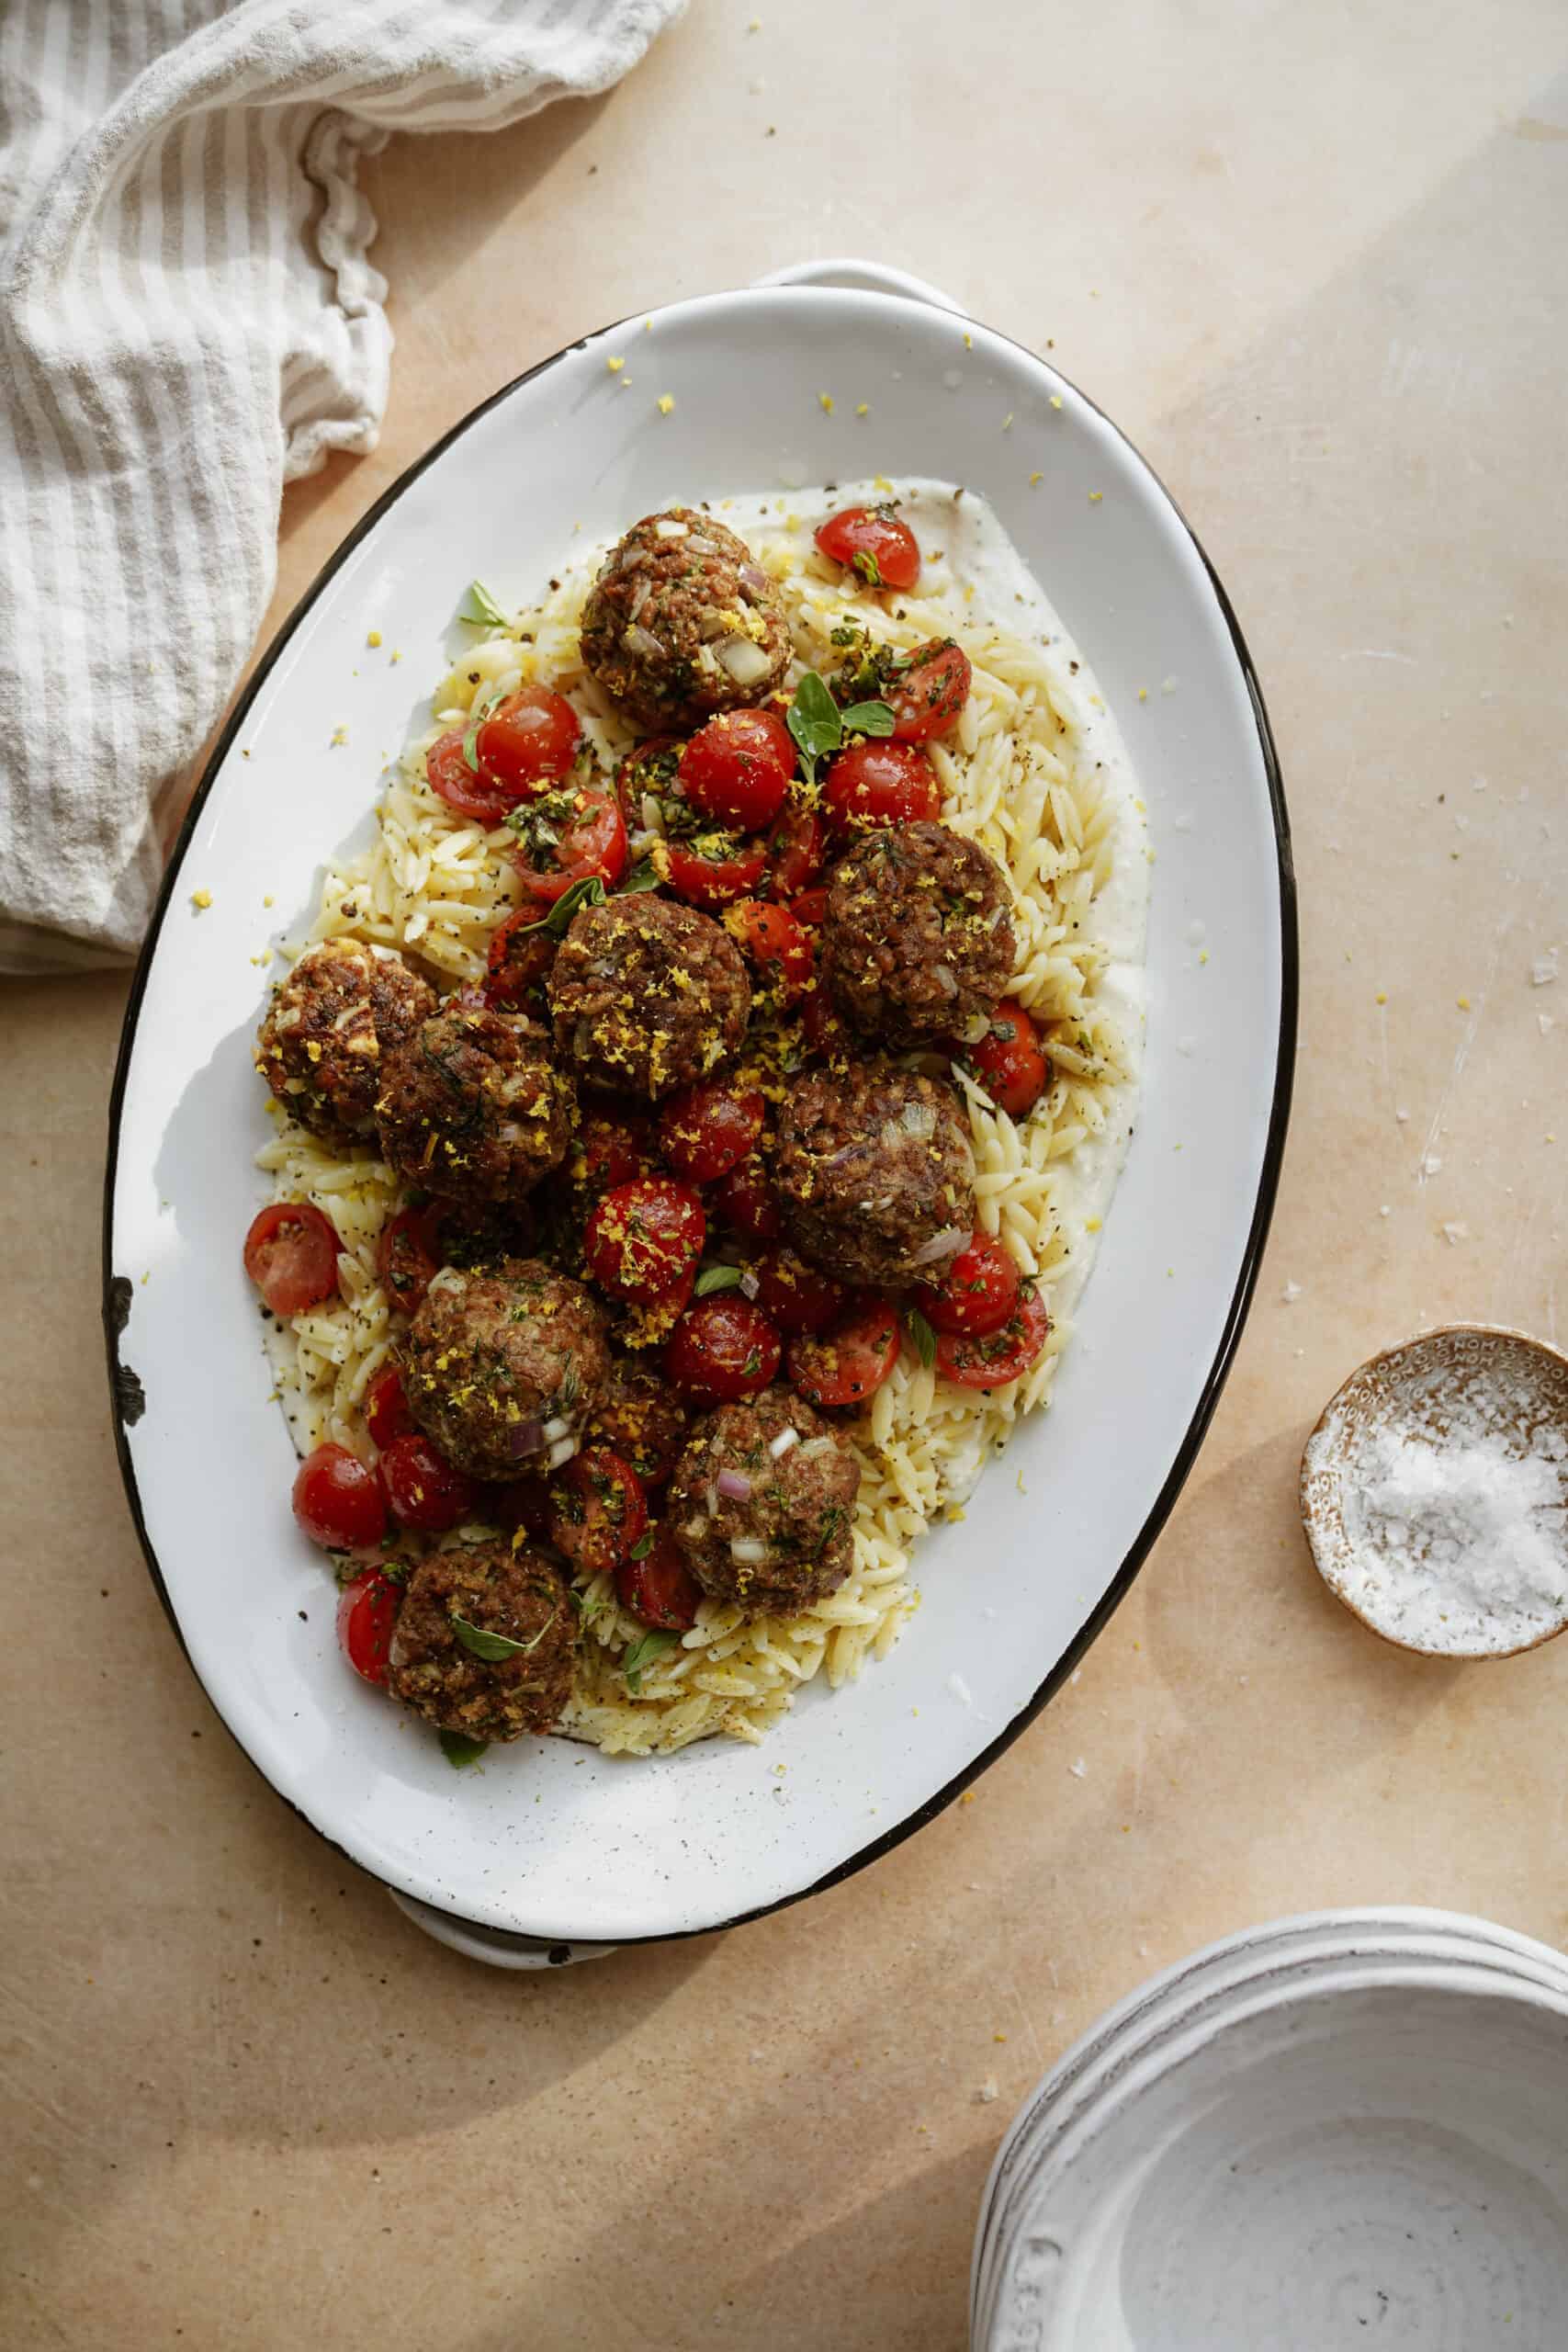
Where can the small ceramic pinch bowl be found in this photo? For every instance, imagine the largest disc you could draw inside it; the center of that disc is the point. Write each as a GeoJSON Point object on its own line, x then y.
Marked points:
{"type": "Point", "coordinates": [1435, 1493]}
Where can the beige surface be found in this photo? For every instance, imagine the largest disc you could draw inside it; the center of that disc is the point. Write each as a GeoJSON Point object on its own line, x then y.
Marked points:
{"type": "Point", "coordinates": [1306, 256]}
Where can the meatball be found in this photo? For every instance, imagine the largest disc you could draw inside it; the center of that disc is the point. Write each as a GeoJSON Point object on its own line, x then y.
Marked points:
{"type": "Point", "coordinates": [874, 1173]}
{"type": "Point", "coordinates": [683, 623]}
{"type": "Point", "coordinates": [641, 1417]}
{"type": "Point", "coordinates": [472, 1106]}
{"type": "Point", "coordinates": [917, 938]}
{"type": "Point", "coordinates": [768, 1531]}
{"type": "Point", "coordinates": [330, 1026]}
{"type": "Point", "coordinates": [647, 995]}
{"type": "Point", "coordinates": [494, 1589]}
{"type": "Point", "coordinates": [502, 1362]}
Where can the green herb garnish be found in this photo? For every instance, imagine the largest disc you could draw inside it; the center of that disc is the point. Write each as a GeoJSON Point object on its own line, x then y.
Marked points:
{"type": "Point", "coordinates": [589, 892]}
{"type": "Point", "coordinates": [476, 717]}
{"type": "Point", "coordinates": [479, 609]}
{"type": "Point", "coordinates": [459, 1750]}
{"type": "Point", "coordinates": [714, 1278]}
{"type": "Point", "coordinates": [644, 876]}
{"type": "Point", "coordinates": [642, 1653]}
{"type": "Point", "coordinates": [642, 1547]}
{"type": "Point", "coordinates": [494, 1647]}
{"type": "Point", "coordinates": [819, 727]}
{"type": "Point", "coordinates": [924, 1338]}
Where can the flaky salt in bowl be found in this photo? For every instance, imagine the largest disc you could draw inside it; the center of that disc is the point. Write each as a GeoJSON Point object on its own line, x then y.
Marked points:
{"type": "Point", "coordinates": [1435, 1493]}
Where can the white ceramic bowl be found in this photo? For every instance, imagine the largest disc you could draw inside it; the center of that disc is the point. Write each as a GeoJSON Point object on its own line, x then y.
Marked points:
{"type": "Point", "coordinates": [615, 1851]}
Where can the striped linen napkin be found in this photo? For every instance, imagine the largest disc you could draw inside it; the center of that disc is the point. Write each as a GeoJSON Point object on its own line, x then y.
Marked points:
{"type": "Point", "coordinates": [189, 321]}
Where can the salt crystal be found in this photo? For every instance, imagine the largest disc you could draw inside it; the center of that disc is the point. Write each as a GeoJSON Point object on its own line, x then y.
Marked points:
{"type": "Point", "coordinates": [1543, 971]}
{"type": "Point", "coordinates": [1403, 1117]}
{"type": "Point", "coordinates": [987, 2092]}
{"type": "Point", "coordinates": [1182, 824]}
{"type": "Point", "coordinates": [961, 1691]}
{"type": "Point", "coordinates": [1431, 1164]}
{"type": "Point", "coordinates": [1544, 1023]}
{"type": "Point", "coordinates": [1456, 1231]}
{"type": "Point", "coordinates": [1077, 1767]}
{"type": "Point", "coordinates": [1289, 1294]}
{"type": "Point", "coordinates": [1385, 1210]}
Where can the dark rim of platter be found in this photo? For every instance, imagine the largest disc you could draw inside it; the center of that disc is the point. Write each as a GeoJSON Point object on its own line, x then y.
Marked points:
{"type": "Point", "coordinates": [116, 1294]}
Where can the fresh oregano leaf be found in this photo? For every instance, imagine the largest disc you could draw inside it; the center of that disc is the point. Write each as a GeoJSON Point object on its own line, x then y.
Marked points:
{"type": "Point", "coordinates": [924, 1338]}
{"type": "Point", "coordinates": [642, 1653]}
{"type": "Point", "coordinates": [714, 1278]}
{"type": "Point", "coordinates": [868, 719]}
{"type": "Point", "coordinates": [459, 1750]}
{"type": "Point", "coordinates": [479, 609]}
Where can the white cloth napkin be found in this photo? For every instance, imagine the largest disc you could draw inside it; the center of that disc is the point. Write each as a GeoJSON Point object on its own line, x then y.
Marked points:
{"type": "Point", "coordinates": [189, 321]}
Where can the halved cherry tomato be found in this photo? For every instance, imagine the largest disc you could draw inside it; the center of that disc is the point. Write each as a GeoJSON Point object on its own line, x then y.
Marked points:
{"type": "Point", "coordinates": [709, 1128]}
{"type": "Point", "coordinates": [424, 1490]}
{"type": "Point", "coordinates": [927, 698]}
{"type": "Point", "coordinates": [810, 908]}
{"type": "Point", "coordinates": [736, 769]}
{"type": "Point", "coordinates": [797, 1296]}
{"type": "Point", "coordinates": [598, 1510]}
{"type": "Point", "coordinates": [660, 1588]}
{"type": "Point", "coordinates": [772, 934]}
{"type": "Point", "coordinates": [337, 1501]}
{"type": "Point", "coordinates": [871, 541]}
{"type": "Point", "coordinates": [706, 881]}
{"type": "Point", "coordinates": [1009, 1061]}
{"type": "Point", "coordinates": [796, 847]}
{"type": "Point", "coordinates": [822, 1024]}
{"type": "Point", "coordinates": [569, 834]}
{"type": "Point", "coordinates": [461, 787]}
{"type": "Point", "coordinates": [745, 1199]}
{"type": "Point", "coordinates": [652, 767]}
{"type": "Point", "coordinates": [519, 956]}
{"type": "Point", "coordinates": [978, 1292]}
{"type": "Point", "coordinates": [612, 1147]}
{"type": "Point", "coordinates": [387, 1414]}
{"type": "Point", "coordinates": [407, 1257]}
{"type": "Point", "coordinates": [367, 1615]}
{"type": "Point", "coordinates": [881, 783]}
{"type": "Point", "coordinates": [722, 1349]}
{"type": "Point", "coordinates": [644, 1238]}
{"type": "Point", "coordinates": [527, 740]}
{"type": "Point", "coordinates": [989, 1360]}
{"type": "Point", "coordinates": [291, 1256]}
{"type": "Point", "coordinates": [846, 1366]}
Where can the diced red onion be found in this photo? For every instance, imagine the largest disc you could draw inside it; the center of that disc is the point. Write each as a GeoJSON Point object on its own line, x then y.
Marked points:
{"type": "Point", "coordinates": [556, 1429]}
{"type": "Point", "coordinates": [746, 662]}
{"type": "Point", "coordinates": [562, 1451]}
{"type": "Point", "coordinates": [946, 979]}
{"type": "Point", "coordinates": [751, 575]}
{"type": "Point", "coordinates": [734, 1485]}
{"type": "Point", "coordinates": [815, 1447]}
{"type": "Point", "coordinates": [640, 640]}
{"type": "Point", "coordinates": [652, 814]}
{"type": "Point", "coordinates": [750, 1286]}
{"type": "Point", "coordinates": [945, 1244]}
{"type": "Point", "coordinates": [919, 1119]}
{"type": "Point", "coordinates": [975, 1028]}
{"type": "Point", "coordinates": [750, 1551]}
{"type": "Point", "coordinates": [449, 1278]}
{"type": "Point", "coordinates": [527, 1438]}
{"type": "Point", "coordinates": [779, 1446]}
{"type": "Point", "coordinates": [666, 528]}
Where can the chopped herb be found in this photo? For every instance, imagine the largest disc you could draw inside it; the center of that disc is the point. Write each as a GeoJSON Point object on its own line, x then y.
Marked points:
{"type": "Point", "coordinates": [589, 892]}
{"type": "Point", "coordinates": [714, 1278]}
{"type": "Point", "coordinates": [459, 1750]}
{"type": "Point", "coordinates": [642, 1653]}
{"type": "Point", "coordinates": [865, 563]}
{"type": "Point", "coordinates": [567, 1393]}
{"type": "Point", "coordinates": [493, 1646]}
{"type": "Point", "coordinates": [479, 609]}
{"type": "Point", "coordinates": [476, 717]}
{"type": "Point", "coordinates": [642, 1547]}
{"type": "Point", "coordinates": [819, 727]}
{"type": "Point", "coordinates": [588, 1605]}
{"type": "Point", "coordinates": [924, 1338]}
{"type": "Point", "coordinates": [868, 719]}
{"type": "Point", "coordinates": [753, 1364]}
{"type": "Point", "coordinates": [644, 876]}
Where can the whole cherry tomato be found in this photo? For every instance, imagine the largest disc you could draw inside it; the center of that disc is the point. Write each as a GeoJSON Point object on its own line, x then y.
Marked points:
{"type": "Point", "coordinates": [598, 1510]}
{"type": "Point", "coordinates": [367, 1617]}
{"type": "Point", "coordinates": [567, 834]}
{"type": "Point", "coordinates": [810, 908]}
{"type": "Point", "coordinates": [337, 1501]}
{"type": "Point", "coordinates": [871, 541]}
{"type": "Point", "coordinates": [409, 1257]}
{"type": "Point", "coordinates": [977, 1292]}
{"type": "Point", "coordinates": [732, 869]}
{"type": "Point", "coordinates": [526, 740]}
{"type": "Point", "coordinates": [709, 1128]}
{"type": "Point", "coordinates": [992, 1359]}
{"type": "Point", "coordinates": [424, 1490]}
{"type": "Point", "coordinates": [1010, 1062]}
{"type": "Point", "coordinates": [797, 1296]}
{"type": "Point", "coordinates": [796, 847]}
{"type": "Point", "coordinates": [722, 1349]}
{"type": "Point", "coordinates": [519, 956]}
{"type": "Point", "coordinates": [660, 1588]}
{"type": "Point", "coordinates": [847, 1365]}
{"type": "Point", "coordinates": [926, 697]}
{"type": "Point", "coordinates": [291, 1253]}
{"type": "Point", "coordinates": [387, 1414]}
{"type": "Point", "coordinates": [772, 934]}
{"type": "Point", "coordinates": [737, 769]}
{"type": "Point", "coordinates": [745, 1199]}
{"type": "Point", "coordinates": [881, 783]}
{"type": "Point", "coordinates": [644, 1238]}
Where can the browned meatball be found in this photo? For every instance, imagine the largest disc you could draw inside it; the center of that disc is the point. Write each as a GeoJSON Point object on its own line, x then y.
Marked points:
{"type": "Point", "coordinates": [488, 1590]}
{"type": "Point", "coordinates": [642, 1418]}
{"type": "Point", "coordinates": [329, 1028]}
{"type": "Point", "coordinates": [502, 1364]}
{"type": "Point", "coordinates": [647, 995]}
{"type": "Point", "coordinates": [917, 938]}
{"type": "Point", "coordinates": [768, 1531]}
{"type": "Point", "coordinates": [472, 1106]}
{"type": "Point", "coordinates": [681, 622]}
{"type": "Point", "coordinates": [874, 1173]}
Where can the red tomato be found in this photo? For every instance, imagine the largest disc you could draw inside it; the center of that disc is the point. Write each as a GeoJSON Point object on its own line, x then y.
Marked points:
{"type": "Point", "coordinates": [709, 1128]}
{"type": "Point", "coordinates": [1010, 1062]}
{"type": "Point", "coordinates": [387, 1414]}
{"type": "Point", "coordinates": [745, 1199]}
{"type": "Point", "coordinates": [713, 881]}
{"type": "Point", "coordinates": [527, 740]}
{"type": "Point", "coordinates": [291, 1256]}
{"type": "Point", "coordinates": [652, 767]}
{"type": "Point", "coordinates": [978, 1292]}
{"type": "Point", "coordinates": [810, 908]}
{"type": "Point", "coordinates": [796, 849]}
{"type": "Point", "coordinates": [518, 958]}
{"type": "Point", "coordinates": [337, 1501]}
{"type": "Point", "coordinates": [797, 1296]}
{"type": "Point", "coordinates": [660, 1588]}
{"type": "Point", "coordinates": [989, 1360]}
{"type": "Point", "coordinates": [823, 1027]}
{"type": "Point", "coordinates": [612, 1146]}
{"type": "Point", "coordinates": [722, 1349]}
{"type": "Point", "coordinates": [848, 1365]}
{"type": "Point", "coordinates": [598, 1510]}
{"type": "Point", "coordinates": [928, 696]}
{"type": "Point", "coordinates": [424, 1490]}
{"type": "Point", "coordinates": [409, 1256]}
{"type": "Point", "coordinates": [461, 787]}
{"type": "Point", "coordinates": [644, 1238]}
{"type": "Point", "coordinates": [736, 769]}
{"type": "Point", "coordinates": [568, 834]}
{"type": "Point", "coordinates": [366, 1613]}
{"type": "Point", "coordinates": [871, 541]}
{"type": "Point", "coordinates": [772, 936]}
{"type": "Point", "coordinates": [878, 781]}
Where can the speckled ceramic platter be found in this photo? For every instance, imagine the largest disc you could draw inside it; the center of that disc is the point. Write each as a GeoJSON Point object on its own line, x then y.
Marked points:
{"type": "Point", "coordinates": [553, 1840]}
